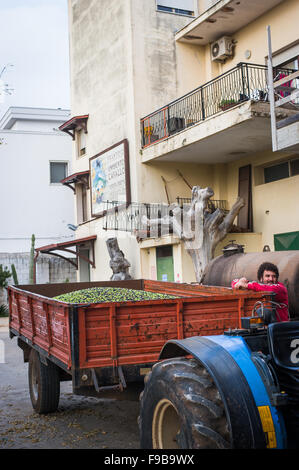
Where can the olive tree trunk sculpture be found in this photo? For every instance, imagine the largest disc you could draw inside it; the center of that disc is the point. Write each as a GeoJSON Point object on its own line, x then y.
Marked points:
{"type": "Point", "coordinates": [198, 227]}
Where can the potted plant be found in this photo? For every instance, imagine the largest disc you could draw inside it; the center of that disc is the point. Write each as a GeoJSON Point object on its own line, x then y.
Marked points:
{"type": "Point", "coordinates": [226, 104]}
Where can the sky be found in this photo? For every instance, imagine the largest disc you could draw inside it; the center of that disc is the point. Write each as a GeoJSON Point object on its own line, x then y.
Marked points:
{"type": "Point", "coordinates": [34, 39]}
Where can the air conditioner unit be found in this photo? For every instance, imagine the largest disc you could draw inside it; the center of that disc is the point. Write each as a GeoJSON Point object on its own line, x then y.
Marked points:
{"type": "Point", "coordinates": [222, 49]}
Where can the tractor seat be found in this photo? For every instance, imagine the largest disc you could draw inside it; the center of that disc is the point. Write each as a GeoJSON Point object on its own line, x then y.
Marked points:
{"type": "Point", "coordinates": [283, 342]}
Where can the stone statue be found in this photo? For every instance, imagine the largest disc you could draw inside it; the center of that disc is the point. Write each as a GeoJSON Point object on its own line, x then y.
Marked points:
{"type": "Point", "coordinates": [118, 263]}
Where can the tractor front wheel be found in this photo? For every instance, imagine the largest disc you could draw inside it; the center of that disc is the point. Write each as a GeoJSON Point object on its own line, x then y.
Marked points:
{"type": "Point", "coordinates": [181, 408]}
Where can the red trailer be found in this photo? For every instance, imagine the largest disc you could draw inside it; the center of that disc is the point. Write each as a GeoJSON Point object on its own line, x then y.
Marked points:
{"type": "Point", "coordinates": [106, 347]}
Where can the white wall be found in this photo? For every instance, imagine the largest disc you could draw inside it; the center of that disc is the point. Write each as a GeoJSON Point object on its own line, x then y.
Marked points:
{"type": "Point", "coordinates": [29, 204]}
{"type": "Point", "coordinates": [35, 126]}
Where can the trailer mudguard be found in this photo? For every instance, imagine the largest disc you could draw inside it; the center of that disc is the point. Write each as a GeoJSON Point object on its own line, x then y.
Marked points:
{"type": "Point", "coordinates": [254, 423]}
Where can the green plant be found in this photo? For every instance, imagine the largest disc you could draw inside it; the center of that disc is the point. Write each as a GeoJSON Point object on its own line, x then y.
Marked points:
{"type": "Point", "coordinates": [3, 310]}
{"type": "Point", "coordinates": [4, 275]}
{"type": "Point", "coordinates": [14, 275]}
{"type": "Point", "coordinates": [226, 103]}
{"type": "Point", "coordinates": [31, 261]}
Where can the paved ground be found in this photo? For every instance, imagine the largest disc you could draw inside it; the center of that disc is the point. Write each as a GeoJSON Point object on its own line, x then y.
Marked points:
{"type": "Point", "coordinates": [79, 423]}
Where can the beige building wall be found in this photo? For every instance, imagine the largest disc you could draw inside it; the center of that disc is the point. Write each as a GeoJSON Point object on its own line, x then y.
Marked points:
{"type": "Point", "coordinates": [275, 207]}
{"type": "Point", "coordinates": [283, 20]}
{"type": "Point", "coordinates": [178, 177]}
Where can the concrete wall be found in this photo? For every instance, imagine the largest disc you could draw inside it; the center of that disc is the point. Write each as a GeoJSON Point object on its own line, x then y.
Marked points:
{"type": "Point", "coordinates": [48, 269]}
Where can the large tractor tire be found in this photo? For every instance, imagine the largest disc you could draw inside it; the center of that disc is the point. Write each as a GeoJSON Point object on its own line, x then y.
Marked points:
{"type": "Point", "coordinates": [181, 408]}
{"type": "Point", "coordinates": [44, 384]}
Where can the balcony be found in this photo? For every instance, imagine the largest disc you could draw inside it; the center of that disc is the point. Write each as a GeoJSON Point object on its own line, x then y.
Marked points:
{"type": "Point", "coordinates": [285, 133]}
{"type": "Point", "coordinates": [223, 19]}
{"type": "Point", "coordinates": [213, 204]}
{"type": "Point", "coordinates": [288, 136]}
{"type": "Point", "coordinates": [215, 123]}
{"type": "Point", "coordinates": [132, 217]}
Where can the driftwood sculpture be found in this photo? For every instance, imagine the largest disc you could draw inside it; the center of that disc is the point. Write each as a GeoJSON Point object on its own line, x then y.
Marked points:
{"type": "Point", "coordinates": [118, 263]}
{"type": "Point", "coordinates": [198, 227]}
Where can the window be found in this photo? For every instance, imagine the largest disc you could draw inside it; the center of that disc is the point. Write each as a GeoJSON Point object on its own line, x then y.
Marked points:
{"type": "Point", "coordinates": [179, 7]}
{"type": "Point", "coordinates": [58, 171]}
{"type": "Point", "coordinates": [281, 171]}
{"type": "Point", "coordinates": [81, 192]}
{"type": "Point", "coordinates": [294, 166]}
{"type": "Point", "coordinates": [164, 260]}
{"type": "Point", "coordinates": [81, 142]}
{"type": "Point", "coordinates": [276, 172]}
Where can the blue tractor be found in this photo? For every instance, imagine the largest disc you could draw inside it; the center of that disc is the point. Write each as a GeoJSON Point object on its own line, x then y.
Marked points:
{"type": "Point", "coordinates": [238, 390]}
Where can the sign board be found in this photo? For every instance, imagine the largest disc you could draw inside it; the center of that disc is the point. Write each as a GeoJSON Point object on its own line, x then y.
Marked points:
{"type": "Point", "coordinates": [109, 177]}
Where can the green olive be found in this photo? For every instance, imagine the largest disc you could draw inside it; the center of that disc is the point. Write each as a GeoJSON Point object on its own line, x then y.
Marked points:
{"type": "Point", "coordinates": [110, 294]}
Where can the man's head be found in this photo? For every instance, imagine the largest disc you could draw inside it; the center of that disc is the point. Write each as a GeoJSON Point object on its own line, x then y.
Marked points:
{"type": "Point", "coordinates": [268, 273]}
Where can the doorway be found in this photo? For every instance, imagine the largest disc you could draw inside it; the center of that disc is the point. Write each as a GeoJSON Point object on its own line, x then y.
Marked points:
{"type": "Point", "coordinates": [245, 219]}
{"type": "Point", "coordinates": [164, 261]}
{"type": "Point", "coordinates": [84, 266]}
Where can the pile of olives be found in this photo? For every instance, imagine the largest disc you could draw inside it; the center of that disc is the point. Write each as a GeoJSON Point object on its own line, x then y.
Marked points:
{"type": "Point", "coordinates": [110, 294]}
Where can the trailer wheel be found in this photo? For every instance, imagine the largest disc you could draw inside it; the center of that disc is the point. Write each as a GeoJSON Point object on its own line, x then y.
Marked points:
{"type": "Point", "coordinates": [181, 408]}
{"type": "Point", "coordinates": [44, 384]}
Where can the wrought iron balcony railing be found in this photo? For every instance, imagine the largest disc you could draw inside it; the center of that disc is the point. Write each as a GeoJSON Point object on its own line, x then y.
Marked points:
{"type": "Point", "coordinates": [136, 217]}
{"type": "Point", "coordinates": [242, 83]}
{"type": "Point", "coordinates": [133, 217]}
{"type": "Point", "coordinates": [213, 204]}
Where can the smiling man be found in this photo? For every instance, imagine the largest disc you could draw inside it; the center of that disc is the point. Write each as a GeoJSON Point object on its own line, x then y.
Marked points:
{"type": "Point", "coordinates": [267, 275]}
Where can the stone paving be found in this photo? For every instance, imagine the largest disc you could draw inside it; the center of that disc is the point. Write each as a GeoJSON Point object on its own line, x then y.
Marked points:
{"type": "Point", "coordinates": [79, 423]}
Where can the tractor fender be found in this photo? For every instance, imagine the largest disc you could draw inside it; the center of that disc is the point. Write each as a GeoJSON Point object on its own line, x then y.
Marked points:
{"type": "Point", "coordinates": [254, 423]}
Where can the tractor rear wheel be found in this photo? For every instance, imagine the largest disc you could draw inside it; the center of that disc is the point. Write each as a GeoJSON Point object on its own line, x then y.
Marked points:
{"type": "Point", "coordinates": [181, 408]}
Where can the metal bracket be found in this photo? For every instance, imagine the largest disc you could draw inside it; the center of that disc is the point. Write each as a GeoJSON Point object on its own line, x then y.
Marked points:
{"type": "Point", "coordinates": [121, 378]}
{"type": "Point", "coordinates": [121, 386]}
{"type": "Point", "coordinates": [269, 379]}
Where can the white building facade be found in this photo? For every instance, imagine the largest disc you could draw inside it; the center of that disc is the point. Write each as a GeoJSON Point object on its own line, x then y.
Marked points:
{"type": "Point", "coordinates": [34, 157]}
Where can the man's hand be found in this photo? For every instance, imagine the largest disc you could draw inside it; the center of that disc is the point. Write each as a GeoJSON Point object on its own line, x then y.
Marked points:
{"type": "Point", "coordinates": [241, 284]}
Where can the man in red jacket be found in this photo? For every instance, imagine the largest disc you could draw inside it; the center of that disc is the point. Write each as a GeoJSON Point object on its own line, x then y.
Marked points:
{"type": "Point", "coordinates": [267, 275]}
